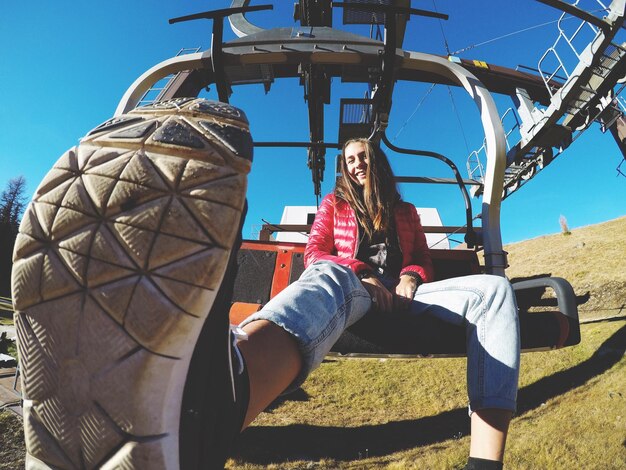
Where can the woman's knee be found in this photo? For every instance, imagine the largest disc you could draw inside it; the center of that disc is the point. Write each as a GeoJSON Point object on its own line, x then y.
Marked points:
{"type": "Point", "coordinates": [497, 286]}
{"type": "Point", "coordinates": [333, 272]}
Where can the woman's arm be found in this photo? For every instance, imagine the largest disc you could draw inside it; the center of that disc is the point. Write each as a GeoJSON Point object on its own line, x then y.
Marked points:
{"type": "Point", "coordinates": [419, 261]}
{"type": "Point", "coordinates": [419, 266]}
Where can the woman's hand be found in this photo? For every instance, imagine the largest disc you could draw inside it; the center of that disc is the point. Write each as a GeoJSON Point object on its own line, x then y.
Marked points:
{"type": "Point", "coordinates": [382, 299]}
{"type": "Point", "coordinates": [405, 291]}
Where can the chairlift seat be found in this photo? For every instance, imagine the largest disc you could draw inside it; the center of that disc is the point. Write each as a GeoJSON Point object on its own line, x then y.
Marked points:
{"type": "Point", "coordinates": [266, 268]}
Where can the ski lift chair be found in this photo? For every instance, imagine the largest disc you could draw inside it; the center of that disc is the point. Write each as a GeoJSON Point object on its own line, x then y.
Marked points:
{"type": "Point", "coordinates": [266, 267]}
{"type": "Point", "coordinates": [315, 53]}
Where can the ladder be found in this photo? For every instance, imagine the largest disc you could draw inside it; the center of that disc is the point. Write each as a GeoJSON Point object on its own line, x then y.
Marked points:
{"type": "Point", "coordinates": [586, 96]}
{"type": "Point", "coordinates": [160, 88]}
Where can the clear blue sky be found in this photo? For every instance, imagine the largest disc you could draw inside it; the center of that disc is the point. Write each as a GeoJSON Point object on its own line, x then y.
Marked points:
{"type": "Point", "coordinates": [65, 65]}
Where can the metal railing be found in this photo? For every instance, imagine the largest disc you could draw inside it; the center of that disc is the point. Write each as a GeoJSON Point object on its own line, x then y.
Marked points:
{"type": "Point", "coordinates": [159, 88]}
{"type": "Point", "coordinates": [475, 167]}
{"type": "Point", "coordinates": [566, 40]}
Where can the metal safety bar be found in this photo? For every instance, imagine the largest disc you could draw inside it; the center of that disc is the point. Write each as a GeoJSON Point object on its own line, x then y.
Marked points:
{"type": "Point", "coordinates": [470, 235]}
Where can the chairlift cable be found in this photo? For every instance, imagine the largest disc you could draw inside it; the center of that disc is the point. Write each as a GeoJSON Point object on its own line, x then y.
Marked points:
{"type": "Point", "coordinates": [419, 104]}
{"type": "Point", "coordinates": [478, 44]}
{"type": "Point", "coordinates": [445, 40]}
{"type": "Point", "coordinates": [379, 35]}
{"type": "Point", "coordinates": [523, 30]}
{"type": "Point", "coordinates": [456, 113]}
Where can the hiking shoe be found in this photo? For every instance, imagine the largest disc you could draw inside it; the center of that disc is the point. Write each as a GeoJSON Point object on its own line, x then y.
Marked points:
{"type": "Point", "coordinates": [120, 259]}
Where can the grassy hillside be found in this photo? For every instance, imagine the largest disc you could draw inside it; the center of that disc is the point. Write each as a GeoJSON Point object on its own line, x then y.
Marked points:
{"type": "Point", "coordinates": [411, 414]}
{"type": "Point", "coordinates": [592, 259]}
{"type": "Point", "coordinates": [397, 414]}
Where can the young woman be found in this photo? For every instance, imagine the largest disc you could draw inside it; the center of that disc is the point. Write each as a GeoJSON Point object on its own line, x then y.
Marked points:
{"type": "Point", "coordinates": [367, 251]}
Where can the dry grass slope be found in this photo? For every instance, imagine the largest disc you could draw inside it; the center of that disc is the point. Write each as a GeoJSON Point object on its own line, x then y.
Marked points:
{"type": "Point", "coordinates": [11, 442]}
{"type": "Point", "coordinates": [410, 414]}
{"type": "Point", "coordinates": [592, 259]}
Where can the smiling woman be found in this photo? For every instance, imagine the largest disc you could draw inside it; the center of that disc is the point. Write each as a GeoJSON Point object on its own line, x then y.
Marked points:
{"type": "Point", "coordinates": [357, 160]}
{"type": "Point", "coordinates": [368, 184]}
{"type": "Point", "coordinates": [367, 255]}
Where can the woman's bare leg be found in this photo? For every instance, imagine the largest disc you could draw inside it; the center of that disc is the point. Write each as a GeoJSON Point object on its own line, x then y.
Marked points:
{"type": "Point", "coordinates": [489, 431]}
{"type": "Point", "coordinates": [273, 362]}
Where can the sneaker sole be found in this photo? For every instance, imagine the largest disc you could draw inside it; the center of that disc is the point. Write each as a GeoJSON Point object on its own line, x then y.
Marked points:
{"type": "Point", "coordinates": [118, 261]}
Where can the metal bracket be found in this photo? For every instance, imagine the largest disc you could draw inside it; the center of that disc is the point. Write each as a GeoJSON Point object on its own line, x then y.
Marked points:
{"type": "Point", "coordinates": [223, 89]}
{"type": "Point", "coordinates": [316, 94]}
{"type": "Point", "coordinates": [384, 88]}
{"type": "Point", "coordinates": [238, 22]}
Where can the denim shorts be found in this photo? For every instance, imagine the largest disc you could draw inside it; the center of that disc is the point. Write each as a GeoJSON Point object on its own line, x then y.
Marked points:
{"type": "Point", "coordinates": [328, 298]}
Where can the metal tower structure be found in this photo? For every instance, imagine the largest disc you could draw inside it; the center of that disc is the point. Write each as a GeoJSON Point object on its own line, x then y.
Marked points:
{"type": "Point", "coordinates": [578, 93]}
{"type": "Point", "coordinates": [550, 105]}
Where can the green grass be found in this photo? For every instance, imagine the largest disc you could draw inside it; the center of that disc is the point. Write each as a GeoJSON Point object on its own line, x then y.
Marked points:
{"type": "Point", "coordinates": [12, 350]}
{"type": "Point", "coordinates": [395, 414]}
{"type": "Point", "coordinates": [7, 347]}
{"type": "Point", "coordinates": [11, 441]}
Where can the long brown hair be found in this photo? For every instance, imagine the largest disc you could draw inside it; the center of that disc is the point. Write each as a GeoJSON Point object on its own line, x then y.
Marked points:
{"type": "Point", "coordinates": [374, 201]}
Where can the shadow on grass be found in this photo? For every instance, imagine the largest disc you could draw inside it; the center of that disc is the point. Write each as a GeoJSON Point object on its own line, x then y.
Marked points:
{"type": "Point", "coordinates": [298, 395]}
{"type": "Point", "coordinates": [267, 444]}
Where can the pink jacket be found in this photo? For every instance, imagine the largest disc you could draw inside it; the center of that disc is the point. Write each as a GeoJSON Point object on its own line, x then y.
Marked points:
{"type": "Point", "coordinates": [335, 237]}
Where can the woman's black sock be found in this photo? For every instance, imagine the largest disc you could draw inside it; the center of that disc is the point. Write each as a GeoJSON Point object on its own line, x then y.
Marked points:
{"type": "Point", "coordinates": [474, 463]}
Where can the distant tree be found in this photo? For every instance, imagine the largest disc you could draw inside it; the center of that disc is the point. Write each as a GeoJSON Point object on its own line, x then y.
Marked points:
{"type": "Point", "coordinates": [12, 203]}
{"type": "Point", "coordinates": [564, 228]}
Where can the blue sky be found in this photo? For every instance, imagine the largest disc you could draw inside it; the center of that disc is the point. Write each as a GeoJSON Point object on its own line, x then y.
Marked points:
{"type": "Point", "coordinates": [65, 65]}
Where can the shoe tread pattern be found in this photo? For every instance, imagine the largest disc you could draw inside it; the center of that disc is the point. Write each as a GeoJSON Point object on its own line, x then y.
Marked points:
{"type": "Point", "coordinates": [118, 259]}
